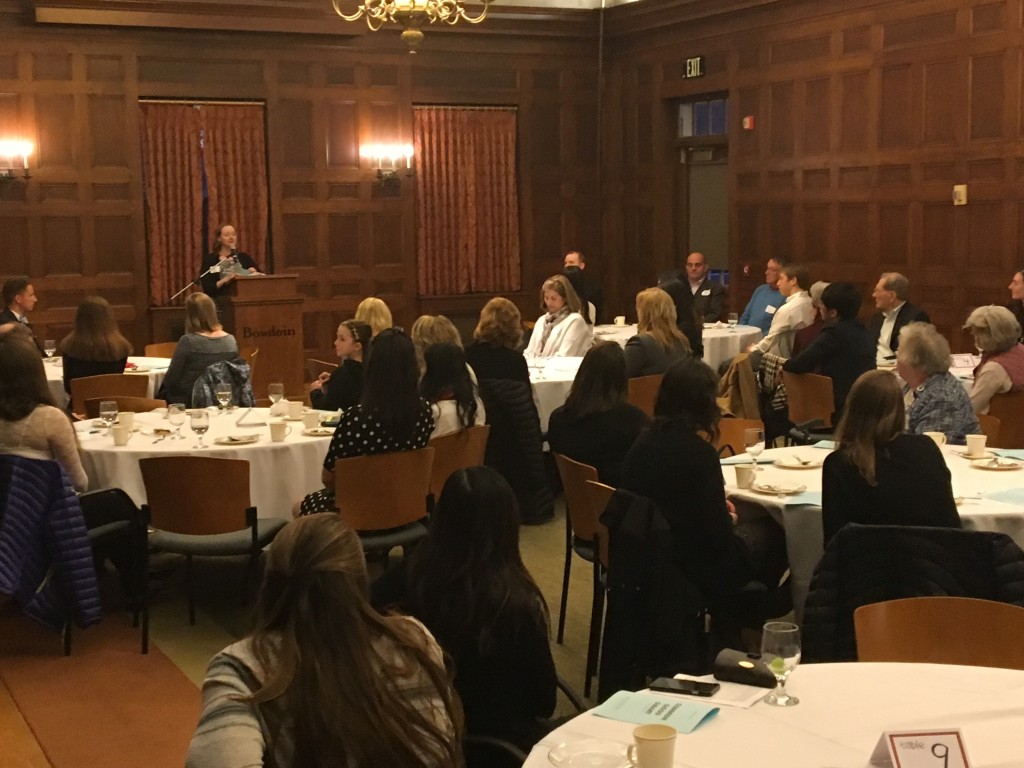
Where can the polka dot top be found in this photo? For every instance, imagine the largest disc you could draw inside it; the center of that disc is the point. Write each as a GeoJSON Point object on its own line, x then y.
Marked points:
{"type": "Point", "coordinates": [359, 433]}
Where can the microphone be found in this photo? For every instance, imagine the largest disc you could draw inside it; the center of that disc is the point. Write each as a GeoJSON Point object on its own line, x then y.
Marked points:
{"type": "Point", "coordinates": [211, 271]}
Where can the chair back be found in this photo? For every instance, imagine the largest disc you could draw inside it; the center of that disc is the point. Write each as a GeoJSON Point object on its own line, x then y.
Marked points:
{"type": "Point", "coordinates": [941, 630]}
{"type": "Point", "coordinates": [106, 387]}
{"type": "Point", "coordinates": [315, 367]}
{"type": "Point", "coordinates": [731, 434]}
{"type": "Point", "coordinates": [642, 392]}
{"type": "Point", "coordinates": [810, 397]}
{"type": "Point", "coordinates": [459, 450]}
{"type": "Point", "coordinates": [385, 490]}
{"type": "Point", "coordinates": [582, 515]}
{"type": "Point", "coordinates": [163, 349]}
{"type": "Point", "coordinates": [124, 403]}
{"type": "Point", "coordinates": [1009, 409]}
{"type": "Point", "coordinates": [990, 427]}
{"type": "Point", "coordinates": [196, 495]}
{"type": "Point", "coordinates": [600, 494]}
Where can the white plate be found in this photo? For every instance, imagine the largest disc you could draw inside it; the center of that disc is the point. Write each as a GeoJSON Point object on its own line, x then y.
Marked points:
{"type": "Point", "coordinates": [137, 369]}
{"type": "Point", "coordinates": [985, 455]}
{"type": "Point", "coordinates": [237, 440]}
{"type": "Point", "coordinates": [778, 489]}
{"type": "Point", "coordinates": [792, 462]}
{"type": "Point", "coordinates": [997, 465]}
{"type": "Point", "coordinates": [318, 432]}
{"type": "Point", "coordinates": [589, 753]}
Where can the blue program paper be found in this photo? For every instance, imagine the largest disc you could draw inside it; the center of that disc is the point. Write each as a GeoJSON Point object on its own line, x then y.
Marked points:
{"type": "Point", "coordinates": [645, 708]}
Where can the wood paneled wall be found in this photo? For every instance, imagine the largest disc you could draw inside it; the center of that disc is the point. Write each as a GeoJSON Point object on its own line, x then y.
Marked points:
{"type": "Point", "coordinates": [866, 114]}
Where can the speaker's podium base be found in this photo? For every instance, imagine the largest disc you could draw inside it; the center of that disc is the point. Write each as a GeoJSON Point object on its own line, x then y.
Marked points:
{"type": "Point", "coordinates": [265, 312]}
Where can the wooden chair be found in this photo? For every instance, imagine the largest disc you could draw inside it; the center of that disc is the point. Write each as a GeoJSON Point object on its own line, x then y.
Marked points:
{"type": "Point", "coordinates": [582, 536]}
{"type": "Point", "coordinates": [383, 497]}
{"type": "Point", "coordinates": [643, 392]}
{"type": "Point", "coordinates": [106, 387]}
{"type": "Point", "coordinates": [199, 505]}
{"type": "Point", "coordinates": [315, 367]}
{"type": "Point", "coordinates": [731, 437]}
{"type": "Point", "coordinates": [600, 494]}
{"type": "Point", "coordinates": [990, 427]}
{"type": "Point", "coordinates": [456, 451]}
{"type": "Point", "coordinates": [810, 398]}
{"type": "Point", "coordinates": [163, 349]}
{"type": "Point", "coordinates": [249, 355]}
{"type": "Point", "coordinates": [124, 403]}
{"type": "Point", "coordinates": [941, 630]}
{"type": "Point", "coordinates": [1009, 409]}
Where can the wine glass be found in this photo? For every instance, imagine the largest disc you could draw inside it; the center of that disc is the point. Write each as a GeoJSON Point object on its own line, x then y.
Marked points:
{"type": "Point", "coordinates": [176, 415]}
{"type": "Point", "coordinates": [780, 650]}
{"type": "Point", "coordinates": [200, 423]}
{"type": "Point", "coordinates": [108, 412]}
{"type": "Point", "coordinates": [224, 394]}
{"type": "Point", "coordinates": [733, 320]}
{"type": "Point", "coordinates": [49, 347]}
{"type": "Point", "coordinates": [275, 391]}
{"type": "Point", "coordinates": [753, 438]}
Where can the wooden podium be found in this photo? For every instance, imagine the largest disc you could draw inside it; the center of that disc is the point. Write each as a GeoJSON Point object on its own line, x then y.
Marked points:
{"type": "Point", "coordinates": [265, 312]}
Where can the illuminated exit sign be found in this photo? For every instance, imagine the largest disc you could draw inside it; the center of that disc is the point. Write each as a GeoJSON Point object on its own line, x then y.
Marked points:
{"type": "Point", "coordinates": [695, 67]}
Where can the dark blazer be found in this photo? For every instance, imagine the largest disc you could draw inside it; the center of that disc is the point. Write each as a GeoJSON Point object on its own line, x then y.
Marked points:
{"type": "Point", "coordinates": [209, 282]}
{"type": "Point", "coordinates": [490, 361]}
{"type": "Point", "coordinates": [646, 357]}
{"type": "Point", "coordinates": [599, 439]}
{"type": "Point", "coordinates": [342, 390]}
{"type": "Point", "coordinates": [7, 316]}
{"type": "Point", "coordinates": [1017, 307]}
{"type": "Point", "coordinates": [842, 352]}
{"type": "Point", "coordinates": [588, 289]}
{"type": "Point", "coordinates": [77, 368]}
{"type": "Point", "coordinates": [686, 317]}
{"type": "Point", "coordinates": [709, 300]}
{"type": "Point", "coordinates": [908, 314]}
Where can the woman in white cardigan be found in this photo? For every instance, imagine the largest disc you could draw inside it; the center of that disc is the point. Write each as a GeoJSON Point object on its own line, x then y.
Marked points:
{"type": "Point", "coordinates": [562, 331]}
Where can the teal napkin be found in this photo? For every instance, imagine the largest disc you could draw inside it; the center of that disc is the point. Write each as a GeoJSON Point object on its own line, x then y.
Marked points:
{"type": "Point", "coordinates": [1009, 453]}
{"type": "Point", "coordinates": [644, 708]}
{"type": "Point", "coordinates": [1013, 496]}
{"type": "Point", "coordinates": [828, 444]}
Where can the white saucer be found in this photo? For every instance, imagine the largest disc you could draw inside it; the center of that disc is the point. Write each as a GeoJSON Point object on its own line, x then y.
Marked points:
{"type": "Point", "coordinates": [237, 440]}
{"type": "Point", "coordinates": [791, 462]}
{"type": "Point", "coordinates": [318, 432]}
{"type": "Point", "coordinates": [997, 464]}
{"type": "Point", "coordinates": [589, 753]}
{"type": "Point", "coordinates": [778, 489]}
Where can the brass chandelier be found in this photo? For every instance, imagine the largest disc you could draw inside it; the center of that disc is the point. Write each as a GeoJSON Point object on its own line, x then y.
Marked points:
{"type": "Point", "coordinates": [411, 15]}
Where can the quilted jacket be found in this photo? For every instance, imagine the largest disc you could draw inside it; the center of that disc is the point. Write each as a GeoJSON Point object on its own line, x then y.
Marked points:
{"type": "Point", "coordinates": [866, 564]}
{"type": "Point", "coordinates": [46, 562]}
{"type": "Point", "coordinates": [235, 373]}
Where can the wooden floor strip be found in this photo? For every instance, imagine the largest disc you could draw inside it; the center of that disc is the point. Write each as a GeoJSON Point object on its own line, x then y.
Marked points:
{"type": "Point", "coordinates": [20, 748]}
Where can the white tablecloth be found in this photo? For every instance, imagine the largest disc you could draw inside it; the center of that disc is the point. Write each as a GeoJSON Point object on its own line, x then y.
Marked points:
{"type": "Point", "coordinates": [279, 473]}
{"type": "Point", "coordinates": [551, 378]}
{"type": "Point", "coordinates": [843, 710]}
{"type": "Point", "coordinates": [155, 368]}
{"type": "Point", "coordinates": [720, 343]}
{"type": "Point", "coordinates": [802, 522]}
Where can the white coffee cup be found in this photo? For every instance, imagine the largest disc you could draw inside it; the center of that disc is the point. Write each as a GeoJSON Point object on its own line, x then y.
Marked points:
{"type": "Point", "coordinates": [126, 419]}
{"type": "Point", "coordinates": [295, 408]}
{"type": "Point", "coordinates": [976, 445]}
{"type": "Point", "coordinates": [654, 746]}
{"type": "Point", "coordinates": [938, 437]}
{"type": "Point", "coordinates": [279, 431]}
{"type": "Point", "coordinates": [121, 434]}
{"type": "Point", "coordinates": [745, 475]}
{"type": "Point", "coordinates": [311, 420]}
{"type": "Point", "coordinates": [619, 320]}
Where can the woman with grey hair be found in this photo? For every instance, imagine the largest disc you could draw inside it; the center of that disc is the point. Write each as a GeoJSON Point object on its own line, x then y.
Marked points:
{"type": "Point", "coordinates": [1001, 369]}
{"type": "Point", "coordinates": [940, 402]}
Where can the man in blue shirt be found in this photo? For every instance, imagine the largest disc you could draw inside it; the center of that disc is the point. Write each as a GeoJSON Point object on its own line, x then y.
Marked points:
{"type": "Point", "coordinates": [766, 299]}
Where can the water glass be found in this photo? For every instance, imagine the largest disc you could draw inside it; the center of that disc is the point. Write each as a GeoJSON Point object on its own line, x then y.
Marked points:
{"type": "Point", "coordinates": [733, 320]}
{"type": "Point", "coordinates": [200, 423]}
{"type": "Point", "coordinates": [49, 347]}
{"type": "Point", "coordinates": [780, 650]}
{"type": "Point", "coordinates": [275, 391]}
{"type": "Point", "coordinates": [108, 412]}
{"type": "Point", "coordinates": [176, 415]}
{"type": "Point", "coordinates": [224, 394]}
{"type": "Point", "coordinates": [753, 439]}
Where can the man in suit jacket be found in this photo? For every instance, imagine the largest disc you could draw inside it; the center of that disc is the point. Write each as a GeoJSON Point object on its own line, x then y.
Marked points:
{"type": "Point", "coordinates": [708, 296]}
{"type": "Point", "coordinates": [893, 313]}
{"type": "Point", "coordinates": [19, 298]}
{"type": "Point", "coordinates": [591, 291]}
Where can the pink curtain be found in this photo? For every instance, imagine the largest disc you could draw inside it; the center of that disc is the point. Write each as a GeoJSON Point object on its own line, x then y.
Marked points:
{"type": "Point", "coordinates": [174, 196]}
{"type": "Point", "coordinates": [467, 201]}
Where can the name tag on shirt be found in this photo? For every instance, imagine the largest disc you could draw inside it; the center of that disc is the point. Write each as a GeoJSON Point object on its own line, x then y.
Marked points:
{"type": "Point", "coordinates": [706, 292]}
{"type": "Point", "coordinates": [770, 309]}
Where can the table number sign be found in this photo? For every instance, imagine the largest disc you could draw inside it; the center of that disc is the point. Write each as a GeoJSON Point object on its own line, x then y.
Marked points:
{"type": "Point", "coordinates": [921, 749]}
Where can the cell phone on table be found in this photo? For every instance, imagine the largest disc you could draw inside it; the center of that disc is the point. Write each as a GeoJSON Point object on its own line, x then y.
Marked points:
{"type": "Point", "coordinates": [689, 687]}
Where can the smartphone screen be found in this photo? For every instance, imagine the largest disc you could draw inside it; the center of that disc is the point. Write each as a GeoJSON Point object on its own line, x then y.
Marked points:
{"type": "Point", "coordinates": [691, 687]}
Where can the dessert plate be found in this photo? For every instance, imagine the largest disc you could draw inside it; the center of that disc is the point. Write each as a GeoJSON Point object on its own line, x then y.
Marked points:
{"type": "Point", "coordinates": [778, 489]}
{"type": "Point", "coordinates": [589, 753]}
{"type": "Point", "coordinates": [237, 440]}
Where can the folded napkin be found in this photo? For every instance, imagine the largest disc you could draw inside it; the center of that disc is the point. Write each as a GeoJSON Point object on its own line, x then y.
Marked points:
{"type": "Point", "coordinates": [656, 708]}
{"type": "Point", "coordinates": [826, 444]}
{"type": "Point", "coordinates": [280, 408]}
{"type": "Point", "coordinates": [1010, 453]}
{"type": "Point", "coordinates": [1013, 496]}
{"type": "Point", "coordinates": [745, 458]}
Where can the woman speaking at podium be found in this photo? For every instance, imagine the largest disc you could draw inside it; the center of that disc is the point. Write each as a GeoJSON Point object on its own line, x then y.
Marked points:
{"type": "Point", "coordinates": [227, 257]}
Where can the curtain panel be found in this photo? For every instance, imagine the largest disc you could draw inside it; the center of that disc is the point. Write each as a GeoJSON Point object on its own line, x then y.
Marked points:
{"type": "Point", "coordinates": [467, 202]}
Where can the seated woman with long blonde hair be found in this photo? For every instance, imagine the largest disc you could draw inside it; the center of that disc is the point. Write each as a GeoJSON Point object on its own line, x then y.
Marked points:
{"type": "Point", "coordinates": [323, 679]}
{"type": "Point", "coordinates": [658, 342]}
{"type": "Point", "coordinates": [375, 313]}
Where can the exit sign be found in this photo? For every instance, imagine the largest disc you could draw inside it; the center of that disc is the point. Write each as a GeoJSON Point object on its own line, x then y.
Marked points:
{"type": "Point", "coordinates": [695, 67]}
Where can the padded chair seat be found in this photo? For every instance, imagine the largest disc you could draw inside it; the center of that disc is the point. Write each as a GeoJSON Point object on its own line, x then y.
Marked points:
{"type": "Point", "coordinates": [220, 544]}
{"type": "Point", "coordinates": [394, 537]}
{"type": "Point", "coordinates": [102, 531]}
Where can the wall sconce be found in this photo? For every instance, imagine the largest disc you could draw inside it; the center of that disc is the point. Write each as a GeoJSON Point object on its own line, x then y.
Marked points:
{"type": "Point", "coordinates": [389, 159]}
{"type": "Point", "coordinates": [11, 152]}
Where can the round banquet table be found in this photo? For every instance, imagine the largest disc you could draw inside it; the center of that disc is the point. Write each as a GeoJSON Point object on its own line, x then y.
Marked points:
{"type": "Point", "coordinates": [279, 473]}
{"type": "Point", "coordinates": [800, 515]}
{"type": "Point", "coordinates": [154, 368]}
{"type": "Point", "coordinates": [720, 343]}
{"type": "Point", "coordinates": [843, 710]}
{"type": "Point", "coordinates": [551, 378]}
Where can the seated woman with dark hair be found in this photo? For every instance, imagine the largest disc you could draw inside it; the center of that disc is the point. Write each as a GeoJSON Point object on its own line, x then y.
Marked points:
{"type": "Point", "coordinates": [391, 416]}
{"type": "Point", "coordinates": [324, 679]}
{"type": "Point", "coordinates": [596, 426]}
{"type": "Point", "coordinates": [447, 386]}
{"type": "Point", "coordinates": [878, 474]}
{"type": "Point", "coordinates": [95, 345]}
{"type": "Point", "coordinates": [676, 467]}
{"type": "Point", "coordinates": [494, 352]}
{"type": "Point", "coordinates": [343, 387]}
{"type": "Point", "coordinates": [467, 583]}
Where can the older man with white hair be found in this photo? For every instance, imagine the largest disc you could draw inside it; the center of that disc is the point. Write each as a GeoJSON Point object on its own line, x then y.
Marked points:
{"type": "Point", "coordinates": [996, 333]}
{"type": "Point", "coordinates": [894, 312]}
